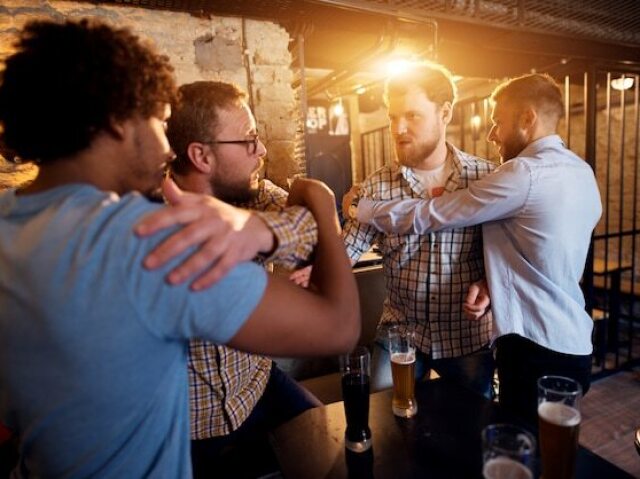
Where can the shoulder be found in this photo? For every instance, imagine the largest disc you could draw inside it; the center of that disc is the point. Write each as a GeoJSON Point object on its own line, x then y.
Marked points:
{"type": "Point", "coordinates": [467, 160]}
{"type": "Point", "coordinates": [518, 167]}
{"type": "Point", "coordinates": [125, 211]}
{"type": "Point", "coordinates": [382, 179]}
{"type": "Point", "coordinates": [270, 198]}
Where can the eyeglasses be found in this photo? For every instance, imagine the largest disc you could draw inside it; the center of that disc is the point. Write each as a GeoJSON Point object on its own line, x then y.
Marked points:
{"type": "Point", "coordinates": [252, 144]}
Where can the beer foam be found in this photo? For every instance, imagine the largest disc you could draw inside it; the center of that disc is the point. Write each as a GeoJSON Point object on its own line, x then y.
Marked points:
{"type": "Point", "coordinates": [559, 413]}
{"type": "Point", "coordinates": [502, 467]}
{"type": "Point", "coordinates": [403, 358]}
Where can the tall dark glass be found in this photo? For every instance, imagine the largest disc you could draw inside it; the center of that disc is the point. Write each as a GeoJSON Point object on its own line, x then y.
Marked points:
{"type": "Point", "coordinates": [355, 369]}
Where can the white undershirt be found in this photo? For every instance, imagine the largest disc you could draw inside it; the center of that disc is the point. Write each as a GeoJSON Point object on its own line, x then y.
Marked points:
{"type": "Point", "coordinates": [433, 181]}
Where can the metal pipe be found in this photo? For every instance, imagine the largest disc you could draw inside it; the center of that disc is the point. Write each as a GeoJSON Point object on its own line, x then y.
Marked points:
{"type": "Point", "coordinates": [338, 75]}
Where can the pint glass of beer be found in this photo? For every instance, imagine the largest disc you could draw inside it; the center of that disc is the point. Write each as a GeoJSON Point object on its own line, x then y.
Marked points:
{"type": "Point", "coordinates": [507, 452]}
{"type": "Point", "coordinates": [559, 425]}
{"type": "Point", "coordinates": [402, 350]}
{"type": "Point", "coordinates": [355, 368]}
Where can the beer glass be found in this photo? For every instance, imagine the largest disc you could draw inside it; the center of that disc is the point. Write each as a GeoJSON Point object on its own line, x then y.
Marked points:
{"type": "Point", "coordinates": [355, 368]}
{"type": "Point", "coordinates": [402, 351]}
{"type": "Point", "coordinates": [507, 452]}
{"type": "Point", "coordinates": [559, 425]}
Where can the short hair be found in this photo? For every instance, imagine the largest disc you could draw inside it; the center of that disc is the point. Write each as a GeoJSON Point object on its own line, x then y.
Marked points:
{"type": "Point", "coordinates": [68, 81]}
{"type": "Point", "coordinates": [195, 115]}
{"type": "Point", "coordinates": [539, 90]}
{"type": "Point", "coordinates": [433, 79]}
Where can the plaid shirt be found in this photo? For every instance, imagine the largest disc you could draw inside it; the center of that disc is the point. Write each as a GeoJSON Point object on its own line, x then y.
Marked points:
{"type": "Point", "coordinates": [427, 276]}
{"type": "Point", "coordinates": [225, 384]}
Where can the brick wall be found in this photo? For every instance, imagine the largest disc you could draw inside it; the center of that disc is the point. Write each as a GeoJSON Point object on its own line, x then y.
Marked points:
{"type": "Point", "coordinates": [254, 54]}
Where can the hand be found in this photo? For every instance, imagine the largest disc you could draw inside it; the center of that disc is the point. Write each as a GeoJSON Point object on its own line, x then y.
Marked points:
{"type": "Point", "coordinates": [477, 301]}
{"type": "Point", "coordinates": [349, 199]}
{"type": "Point", "coordinates": [225, 235]}
{"type": "Point", "coordinates": [301, 276]}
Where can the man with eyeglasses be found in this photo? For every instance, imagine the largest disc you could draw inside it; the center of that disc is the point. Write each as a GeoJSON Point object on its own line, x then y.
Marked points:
{"type": "Point", "coordinates": [235, 397]}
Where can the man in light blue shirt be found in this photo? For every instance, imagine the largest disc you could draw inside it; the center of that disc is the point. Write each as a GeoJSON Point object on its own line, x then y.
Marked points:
{"type": "Point", "coordinates": [538, 210]}
{"type": "Point", "coordinates": [93, 348]}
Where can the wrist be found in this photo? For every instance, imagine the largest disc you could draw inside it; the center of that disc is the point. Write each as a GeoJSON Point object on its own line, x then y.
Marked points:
{"type": "Point", "coordinates": [264, 235]}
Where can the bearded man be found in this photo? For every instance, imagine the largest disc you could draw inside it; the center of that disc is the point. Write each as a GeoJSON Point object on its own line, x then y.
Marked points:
{"type": "Point", "coordinates": [428, 276]}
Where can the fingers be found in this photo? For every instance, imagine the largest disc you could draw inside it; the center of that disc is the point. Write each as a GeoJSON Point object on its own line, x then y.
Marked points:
{"type": "Point", "coordinates": [171, 192]}
{"type": "Point", "coordinates": [193, 234]}
{"type": "Point", "coordinates": [216, 272]}
{"type": "Point", "coordinates": [301, 276]}
{"type": "Point", "coordinates": [209, 253]}
{"type": "Point", "coordinates": [476, 309]}
{"type": "Point", "coordinates": [165, 218]}
{"type": "Point", "coordinates": [472, 294]}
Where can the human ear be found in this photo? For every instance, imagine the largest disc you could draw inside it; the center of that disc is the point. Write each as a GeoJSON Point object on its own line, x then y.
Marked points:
{"type": "Point", "coordinates": [528, 118]}
{"type": "Point", "coordinates": [199, 158]}
{"type": "Point", "coordinates": [117, 128]}
{"type": "Point", "coordinates": [446, 112]}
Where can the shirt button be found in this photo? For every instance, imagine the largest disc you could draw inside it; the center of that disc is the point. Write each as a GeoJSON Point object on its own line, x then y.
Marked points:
{"type": "Point", "coordinates": [433, 298]}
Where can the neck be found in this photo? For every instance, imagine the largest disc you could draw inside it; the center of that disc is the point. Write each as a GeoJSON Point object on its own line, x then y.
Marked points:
{"type": "Point", "coordinates": [436, 159]}
{"type": "Point", "coordinates": [544, 126]}
{"type": "Point", "coordinates": [96, 165]}
{"type": "Point", "coordinates": [194, 182]}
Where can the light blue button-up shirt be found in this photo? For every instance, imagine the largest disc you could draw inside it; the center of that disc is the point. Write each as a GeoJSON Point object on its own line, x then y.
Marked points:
{"type": "Point", "coordinates": [538, 211]}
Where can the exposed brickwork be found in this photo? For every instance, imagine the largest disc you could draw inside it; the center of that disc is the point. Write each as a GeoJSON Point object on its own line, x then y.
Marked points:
{"type": "Point", "coordinates": [216, 48]}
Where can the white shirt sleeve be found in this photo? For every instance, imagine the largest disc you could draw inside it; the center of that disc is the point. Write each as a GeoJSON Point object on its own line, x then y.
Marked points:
{"type": "Point", "coordinates": [500, 194]}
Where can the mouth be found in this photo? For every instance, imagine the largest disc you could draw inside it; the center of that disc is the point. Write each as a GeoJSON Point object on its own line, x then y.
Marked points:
{"type": "Point", "coordinates": [403, 142]}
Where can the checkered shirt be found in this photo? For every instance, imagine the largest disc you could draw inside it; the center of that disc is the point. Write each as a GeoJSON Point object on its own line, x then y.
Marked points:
{"type": "Point", "coordinates": [225, 384]}
{"type": "Point", "coordinates": [427, 276]}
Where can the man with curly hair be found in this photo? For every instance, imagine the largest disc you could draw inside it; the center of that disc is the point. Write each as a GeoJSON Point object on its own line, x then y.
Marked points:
{"type": "Point", "coordinates": [93, 348]}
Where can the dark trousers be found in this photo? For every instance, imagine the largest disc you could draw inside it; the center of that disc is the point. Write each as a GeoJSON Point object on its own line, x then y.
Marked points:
{"type": "Point", "coordinates": [521, 362]}
{"type": "Point", "coordinates": [245, 452]}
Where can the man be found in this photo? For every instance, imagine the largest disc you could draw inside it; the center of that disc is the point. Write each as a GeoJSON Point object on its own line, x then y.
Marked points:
{"type": "Point", "coordinates": [538, 211]}
{"type": "Point", "coordinates": [427, 276]}
{"type": "Point", "coordinates": [236, 397]}
{"type": "Point", "coordinates": [93, 348]}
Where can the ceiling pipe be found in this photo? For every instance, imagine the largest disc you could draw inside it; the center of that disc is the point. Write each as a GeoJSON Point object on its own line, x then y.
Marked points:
{"type": "Point", "coordinates": [355, 65]}
{"type": "Point", "coordinates": [362, 6]}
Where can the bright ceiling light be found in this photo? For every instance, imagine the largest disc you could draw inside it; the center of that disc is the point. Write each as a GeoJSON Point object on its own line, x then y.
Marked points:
{"type": "Point", "coordinates": [398, 67]}
{"type": "Point", "coordinates": [337, 108]}
{"type": "Point", "coordinates": [360, 89]}
{"type": "Point", "coordinates": [622, 83]}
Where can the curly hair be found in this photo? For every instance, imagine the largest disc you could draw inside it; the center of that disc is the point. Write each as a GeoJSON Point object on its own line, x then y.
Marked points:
{"type": "Point", "coordinates": [432, 78]}
{"type": "Point", "coordinates": [68, 81]}
{"type": "Point", "coordinates": [195, 116]}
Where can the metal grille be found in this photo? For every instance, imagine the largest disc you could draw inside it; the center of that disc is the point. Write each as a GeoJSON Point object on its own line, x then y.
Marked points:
{"type": "Point", "coordinates": [602, 125]}
{"type": "Point", "coordinates": [376, 151]}
{"type": "Point", "coordinates": [606, 20]}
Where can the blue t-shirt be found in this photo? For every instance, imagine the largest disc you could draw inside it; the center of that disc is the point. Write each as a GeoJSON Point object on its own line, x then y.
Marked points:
{"type": "Point", "coordinates": [93, 365]}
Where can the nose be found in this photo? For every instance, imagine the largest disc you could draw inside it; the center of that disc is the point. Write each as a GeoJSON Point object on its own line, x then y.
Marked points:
{"type": "Point", "coordinates": [492, 134]}
{"type": "Point", "coordinates": [398, 126]}
{"type": "Point", "coordinates": [262, 149]}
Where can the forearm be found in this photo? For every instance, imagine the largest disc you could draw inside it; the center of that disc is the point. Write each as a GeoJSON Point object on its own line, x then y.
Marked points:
{"type": "Point", "coordinates": [296, 235]}
{"type": "Point", "coordinates": [331, 272]}
{"type": "Point", "coordinates": [496, 196]}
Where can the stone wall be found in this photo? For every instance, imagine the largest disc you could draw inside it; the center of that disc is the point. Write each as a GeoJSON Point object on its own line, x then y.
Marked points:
{"type": "Point", "coordinates": [254, 54]}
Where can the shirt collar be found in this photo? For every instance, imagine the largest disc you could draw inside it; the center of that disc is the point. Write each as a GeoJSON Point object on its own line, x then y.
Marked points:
{"type": "Point", "coordinates": [541, 143]}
